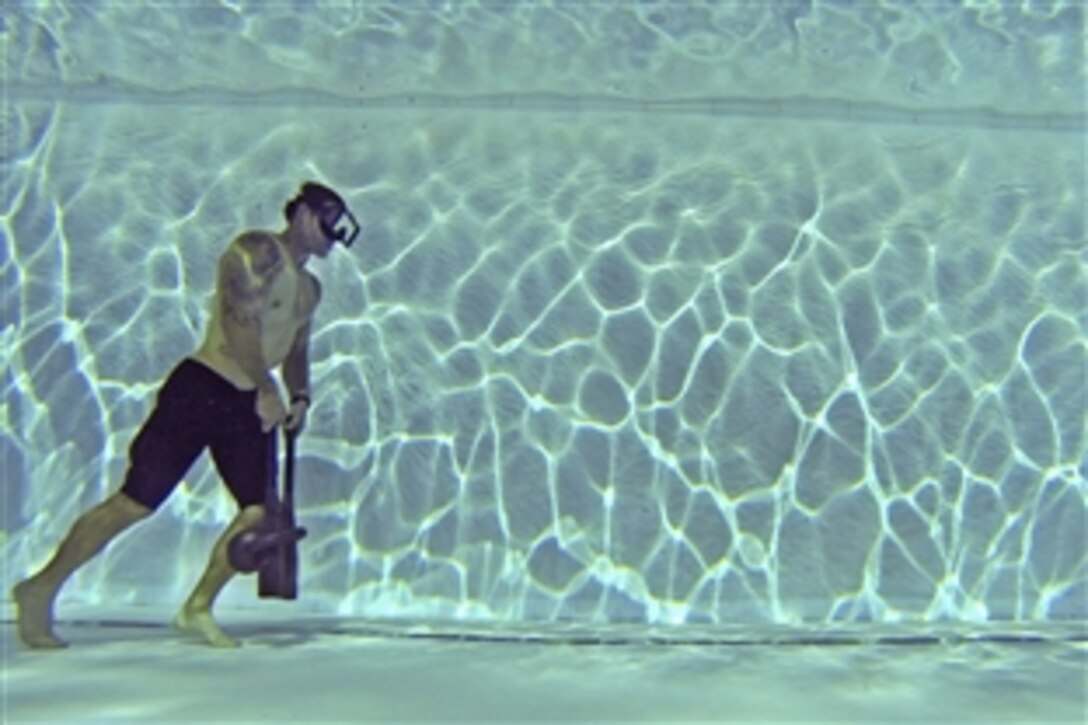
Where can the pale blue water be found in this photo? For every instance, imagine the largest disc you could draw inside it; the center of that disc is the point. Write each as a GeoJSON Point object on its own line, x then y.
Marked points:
{"type": "Point", "coordinates": [690, 315]}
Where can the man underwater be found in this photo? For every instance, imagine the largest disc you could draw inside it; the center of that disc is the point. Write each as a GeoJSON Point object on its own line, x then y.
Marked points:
{"type": "Point", "coordinates": [223, 397]}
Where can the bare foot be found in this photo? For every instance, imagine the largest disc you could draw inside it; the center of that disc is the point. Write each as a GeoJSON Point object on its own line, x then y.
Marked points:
{"type": "Point", "coordinates": [200, 623]}
{"type": "Point", "coordinates": [34, 612]}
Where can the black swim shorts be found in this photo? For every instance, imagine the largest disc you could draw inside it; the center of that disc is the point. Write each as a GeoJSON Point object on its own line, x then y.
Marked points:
{"type": "Point", "coordinates": [196, 408]}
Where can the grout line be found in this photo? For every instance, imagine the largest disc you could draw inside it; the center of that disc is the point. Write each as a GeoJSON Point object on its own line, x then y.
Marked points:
{"type": "Point", "coordinates": [409, 632]}
{"type": "Point", "coordinates": [795, 108]}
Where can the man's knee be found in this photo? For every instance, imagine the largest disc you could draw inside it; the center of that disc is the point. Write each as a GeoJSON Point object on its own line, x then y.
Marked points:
{"type": "Point", "coordinates": [126, 510]}
{"type": "Point", "coordinates": [250, 516]}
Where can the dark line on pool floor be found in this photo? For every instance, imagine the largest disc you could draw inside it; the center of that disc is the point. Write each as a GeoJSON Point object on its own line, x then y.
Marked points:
{"type": "Point", "coordinates": [606, 640]}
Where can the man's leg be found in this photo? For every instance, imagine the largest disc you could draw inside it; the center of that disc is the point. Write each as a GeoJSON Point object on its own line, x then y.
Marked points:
{"type": "Point", "coordinates": [34, 596]}
{"type": "Point", "coordinates": [196, 614]}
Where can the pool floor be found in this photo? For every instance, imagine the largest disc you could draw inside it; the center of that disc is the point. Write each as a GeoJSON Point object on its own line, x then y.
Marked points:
{"type": "Point", "coordinates": [130, 666]}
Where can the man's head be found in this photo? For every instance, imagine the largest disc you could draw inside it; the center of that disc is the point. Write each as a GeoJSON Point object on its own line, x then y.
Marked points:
{"type": "Point", "coordinates": [329, 211]}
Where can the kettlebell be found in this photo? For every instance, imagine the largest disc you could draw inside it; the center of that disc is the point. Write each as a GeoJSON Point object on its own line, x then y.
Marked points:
{"type": "Point", "coordinates": [250, 549]}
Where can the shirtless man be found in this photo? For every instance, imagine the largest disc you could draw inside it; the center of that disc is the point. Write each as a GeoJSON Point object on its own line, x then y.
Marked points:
{"type": "Point", "coordinates": [224, 398]}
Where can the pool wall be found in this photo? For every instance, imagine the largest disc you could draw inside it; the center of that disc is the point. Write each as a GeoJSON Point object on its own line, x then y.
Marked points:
{"type": "Point", "coordinates": [669, 313]}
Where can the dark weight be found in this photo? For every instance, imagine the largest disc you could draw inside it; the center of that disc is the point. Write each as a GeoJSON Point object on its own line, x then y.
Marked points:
{"type": "Point", "coordinates": [250, 550]}
{"type": "Point", "coordinates": [271, 548]}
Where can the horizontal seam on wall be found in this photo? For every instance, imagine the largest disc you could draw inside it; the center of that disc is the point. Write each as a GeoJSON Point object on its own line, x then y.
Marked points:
{"type": "Point", "coordinates": [795, 108]}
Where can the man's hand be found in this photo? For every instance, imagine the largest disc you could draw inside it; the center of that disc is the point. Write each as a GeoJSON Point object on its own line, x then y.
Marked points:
{"type": "Point", "coordinates": [296, 417]}
{"type": "Point", "coordinates": [270, 408]}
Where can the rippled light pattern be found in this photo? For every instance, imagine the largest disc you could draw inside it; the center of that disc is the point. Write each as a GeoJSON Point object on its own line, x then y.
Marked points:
{"type": "Point", "coordinates": [594, 357]}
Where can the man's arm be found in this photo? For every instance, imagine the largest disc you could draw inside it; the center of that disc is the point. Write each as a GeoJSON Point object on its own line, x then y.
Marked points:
{"type": "Point", "coordinates": [296, 366]}
{"type": "Point", "coordinates": [246, 271]}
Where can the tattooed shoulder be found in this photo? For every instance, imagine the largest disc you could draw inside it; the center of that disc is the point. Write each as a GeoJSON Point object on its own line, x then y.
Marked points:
{"type": "Point", "coordinates": [246, 272]}
{"type": "Point", "coordinates": [263, 255]}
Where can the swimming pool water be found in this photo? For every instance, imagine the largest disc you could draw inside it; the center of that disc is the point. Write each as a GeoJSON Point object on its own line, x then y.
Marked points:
{"type": "Point", "coordinates": [663, 313]}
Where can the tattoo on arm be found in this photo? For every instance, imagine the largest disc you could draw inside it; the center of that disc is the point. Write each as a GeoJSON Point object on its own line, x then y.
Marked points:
{"type": "Point", "coordinates": [245, 274]}
{"type": "Point", "coordinates": [263, 255]}
{"type": "Point", "coordinates": [239, 296]}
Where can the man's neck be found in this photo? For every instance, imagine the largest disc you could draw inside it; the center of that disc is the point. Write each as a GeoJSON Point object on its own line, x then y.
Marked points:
{"type": "Point", "coordinates": [294, 248]}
